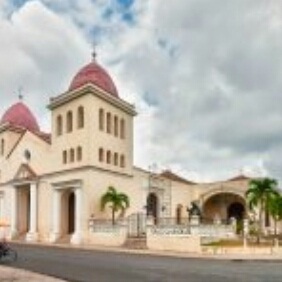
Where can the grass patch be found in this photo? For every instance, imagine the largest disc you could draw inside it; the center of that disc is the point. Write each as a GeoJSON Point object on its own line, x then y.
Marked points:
{"type": "Point", "coordinates": [240, 243]}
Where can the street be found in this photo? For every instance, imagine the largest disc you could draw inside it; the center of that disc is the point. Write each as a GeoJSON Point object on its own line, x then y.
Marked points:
{"type": "Point", "coordinates": [99, 266]}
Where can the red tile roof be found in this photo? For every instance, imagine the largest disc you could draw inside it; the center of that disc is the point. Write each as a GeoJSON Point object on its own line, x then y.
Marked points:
{"type": "Point", "coordinates": [19, 115]}
{"type": "Point", "coordinates": [172, 176]}
{"type": "Point", "coordinates": [95, 74]}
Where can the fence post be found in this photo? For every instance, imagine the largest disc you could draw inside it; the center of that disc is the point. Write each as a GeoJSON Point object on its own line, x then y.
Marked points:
{"type": "Point", "coordinates": [245, 231]}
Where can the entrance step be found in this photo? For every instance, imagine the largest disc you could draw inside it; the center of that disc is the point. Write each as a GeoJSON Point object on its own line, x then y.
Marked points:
{"type": "Point", "coordinates": [20, 238]}
{"type": "Point", "coordinates": [65, 239]}
{"type": "Point", "coordinates": [137, 243]}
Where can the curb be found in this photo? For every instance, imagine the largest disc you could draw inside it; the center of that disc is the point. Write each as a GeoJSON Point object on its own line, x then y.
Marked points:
{"type": "Point", "coordinates": [229, 257]}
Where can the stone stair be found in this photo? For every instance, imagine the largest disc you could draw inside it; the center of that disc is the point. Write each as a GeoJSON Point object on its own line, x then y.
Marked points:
{"type": "Point", "coordinates": [137, 243]}
{"type": "Point", "coordinates": [65, 239]}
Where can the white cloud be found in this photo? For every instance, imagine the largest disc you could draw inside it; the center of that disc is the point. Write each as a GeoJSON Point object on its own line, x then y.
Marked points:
{"type": "Point", "coordinates": [205, 75]}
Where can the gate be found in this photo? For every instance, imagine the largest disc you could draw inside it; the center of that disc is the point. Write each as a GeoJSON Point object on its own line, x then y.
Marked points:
{"type": "Point", "coordinates": [137, 225]}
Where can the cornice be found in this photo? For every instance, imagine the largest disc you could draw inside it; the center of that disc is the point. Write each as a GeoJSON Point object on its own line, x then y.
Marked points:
{"type": "Point", "coordinates": [90, 88]}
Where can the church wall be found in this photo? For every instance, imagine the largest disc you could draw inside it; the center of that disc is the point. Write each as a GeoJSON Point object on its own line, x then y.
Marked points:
{"type": "Point", "coordinates": [95, 184]}
{"type": "Point", "coordinates": [182, 195]}
{"type": "Point", "coordinates": [10, 139]}
{"type": "Point", "coordinates": [108, 141]}
{"type": "Point", "coordinates": [71, 140]}
{"type": "Point", "coordinates": [39, 160]}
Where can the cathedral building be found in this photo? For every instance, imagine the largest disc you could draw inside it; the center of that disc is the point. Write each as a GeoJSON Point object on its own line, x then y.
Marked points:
{"type": "Point", "coordinates": [51, 183]}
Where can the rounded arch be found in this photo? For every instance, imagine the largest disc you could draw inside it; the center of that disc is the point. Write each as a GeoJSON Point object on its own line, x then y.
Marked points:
{"type": "Point", "coordinates": [222, 206]}
{"type": "Point", "coordinates": [101, 155]}
{"type": "Point", "coordinates": [69, 121]}
{"type": "Point", "coordinates": [220, 190]}
{"type": "Point", "coordinates": [79, 153]}
{"type": "Point", "coordinates": [109, 122]}
{"type": "Point", "coordinates": [109, 157]}
{"type": "Point", "coordinates": [80, 117]}
{"type": "Point", "coordinates": [179, 211]}
{"type": "Point", "coordinates": [71, 155]}
{"type": "Point", "coordinates": [101, 119]}
{"type": "Point", "coordinates": [59, 125]}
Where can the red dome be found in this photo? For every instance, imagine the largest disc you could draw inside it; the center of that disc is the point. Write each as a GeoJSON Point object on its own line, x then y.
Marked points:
{"type": "Point", "coordinates": [20, 115]}
{"type": "Point", "coordinates": [93, 73]}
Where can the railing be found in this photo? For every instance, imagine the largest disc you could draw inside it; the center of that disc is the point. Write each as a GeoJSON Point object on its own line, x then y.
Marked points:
{"type": "Point", "coordinates": [165, 225]}
{"type": "Point", "coordinates": [104, 225]}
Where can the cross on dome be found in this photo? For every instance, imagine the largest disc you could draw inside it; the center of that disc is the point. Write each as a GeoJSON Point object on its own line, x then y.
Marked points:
{"type": "Point", "coordinates": [94, 53]}
{"type": "Point", "coordinates": [20, 95]}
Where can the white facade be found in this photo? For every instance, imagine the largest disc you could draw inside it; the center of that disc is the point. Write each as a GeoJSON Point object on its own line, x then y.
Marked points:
{"type": "Point", "coordinates": [51, 184]}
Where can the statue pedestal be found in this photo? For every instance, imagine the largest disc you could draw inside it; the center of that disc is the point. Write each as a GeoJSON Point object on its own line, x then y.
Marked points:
{"type": "Point", "coordinates": [194, 220]}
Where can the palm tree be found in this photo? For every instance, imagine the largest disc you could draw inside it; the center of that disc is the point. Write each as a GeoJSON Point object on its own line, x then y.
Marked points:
{"type": "Point", "coordinates": [275, 209]}
{"type": "Point", "coordinates": [118, 201]}
{"type": "Point", "coordinates": [259, 194]}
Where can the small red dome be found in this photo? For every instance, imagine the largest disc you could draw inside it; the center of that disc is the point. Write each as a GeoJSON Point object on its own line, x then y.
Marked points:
{"type": "Point", "coordinates": [20, 115]}
{"type": "Point", "coordinates": [94, 73]}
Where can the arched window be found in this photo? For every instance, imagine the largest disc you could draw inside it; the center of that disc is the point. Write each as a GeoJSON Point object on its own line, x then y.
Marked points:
{"type": "Point", "coordinates": [2, 147]}
{"type": "Point", "coordinates": [122, 129]}
{"type": "Point", "coordinates": [79, 153]}
{"type": "Point", "coordinates": [80, 117]}
{"type": "Point", "coordinates": [65, 157]}
{"type": "Point", "coordinates": [101, 119]}
{"type": "Point", "coordinates": [122, 161]}
{"type": "Point", "coordinates": [116, 159]}
{"type": "Point", "coordinates": [109, 123]}
{"type": "Point", "coordinates": [71, 155]}
{"type": "Point", "coordinates": [59, 125]}
{"type": "Point", "coordinates": [109, 157]}
{"type": "Point", "coordinates": [101, 155]}
{"type": "Point", "coordinates": [69, 121]}
{"type": "Point", "coordinates": [116, 126]}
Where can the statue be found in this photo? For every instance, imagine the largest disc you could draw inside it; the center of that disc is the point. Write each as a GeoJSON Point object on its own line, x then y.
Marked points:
{"type": "Point", "coordinates": [194, 210]}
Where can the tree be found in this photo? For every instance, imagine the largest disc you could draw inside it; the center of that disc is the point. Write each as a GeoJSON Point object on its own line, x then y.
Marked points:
{"type": "Point", "coordinates": [259, 195]}
{"type": "Point", "coordinates": [118, 201]}
{"type": "Point", "coordinates": [275, 210]}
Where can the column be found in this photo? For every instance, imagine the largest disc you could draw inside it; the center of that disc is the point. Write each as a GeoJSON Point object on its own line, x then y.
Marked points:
{"type": "Point", "coordinates": [14, 213]}
{"type": "Point", "coordinates": [77, 236]}
{"type": "Point", "coordinates": [56, 216]}
{"type": "Point", "coordinates": [32, 234]}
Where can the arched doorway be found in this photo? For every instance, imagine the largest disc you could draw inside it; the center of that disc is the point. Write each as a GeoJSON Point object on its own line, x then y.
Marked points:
{"type": "Point", "coordinates": [220, 207]}
{"type": "Point", "coordinates": [152, 205]}
{"type": "Point", "coordinates": [236, 210]}
{"type": "Point", "coordinates": [23, 209]}
{"type": "Point", "coordinates": [179, 214]}
{"type": "Point", "coordinates": [71, 213]}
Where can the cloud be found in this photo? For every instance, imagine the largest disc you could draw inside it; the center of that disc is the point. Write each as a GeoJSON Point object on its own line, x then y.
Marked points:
{"type": "Point", "coordinates": [204, 75]}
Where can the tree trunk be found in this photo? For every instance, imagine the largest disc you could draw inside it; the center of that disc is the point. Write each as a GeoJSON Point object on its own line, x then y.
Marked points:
{"type": "Point", "coordinates": [260, 223]}
{"type": "Point", "coordinates": [113, 217]}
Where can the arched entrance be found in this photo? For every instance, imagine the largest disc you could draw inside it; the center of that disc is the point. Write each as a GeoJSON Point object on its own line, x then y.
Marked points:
{"type": "Point", "coordinates": [152, 205]}
{"type": "Point", "coordinates": [223, 206]}
{"type": "Point", "coordinates": [179, 214]}
{"type": "Point", "coordinates": [71, 213]}
{"type": "Point", "coordinates": [236, 210]}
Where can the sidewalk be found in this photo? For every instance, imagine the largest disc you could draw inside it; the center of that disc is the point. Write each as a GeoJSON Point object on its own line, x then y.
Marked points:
{"type": "Point", "coordinates": [9, 274]}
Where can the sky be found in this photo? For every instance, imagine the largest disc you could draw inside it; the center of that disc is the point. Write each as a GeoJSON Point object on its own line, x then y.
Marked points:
{"type": "Point", "coordinates": [205, 76]}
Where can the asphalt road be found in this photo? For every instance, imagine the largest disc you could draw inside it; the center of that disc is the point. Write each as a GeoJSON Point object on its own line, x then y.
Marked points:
{"type": "Point", "coordinates": [97, 266]}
